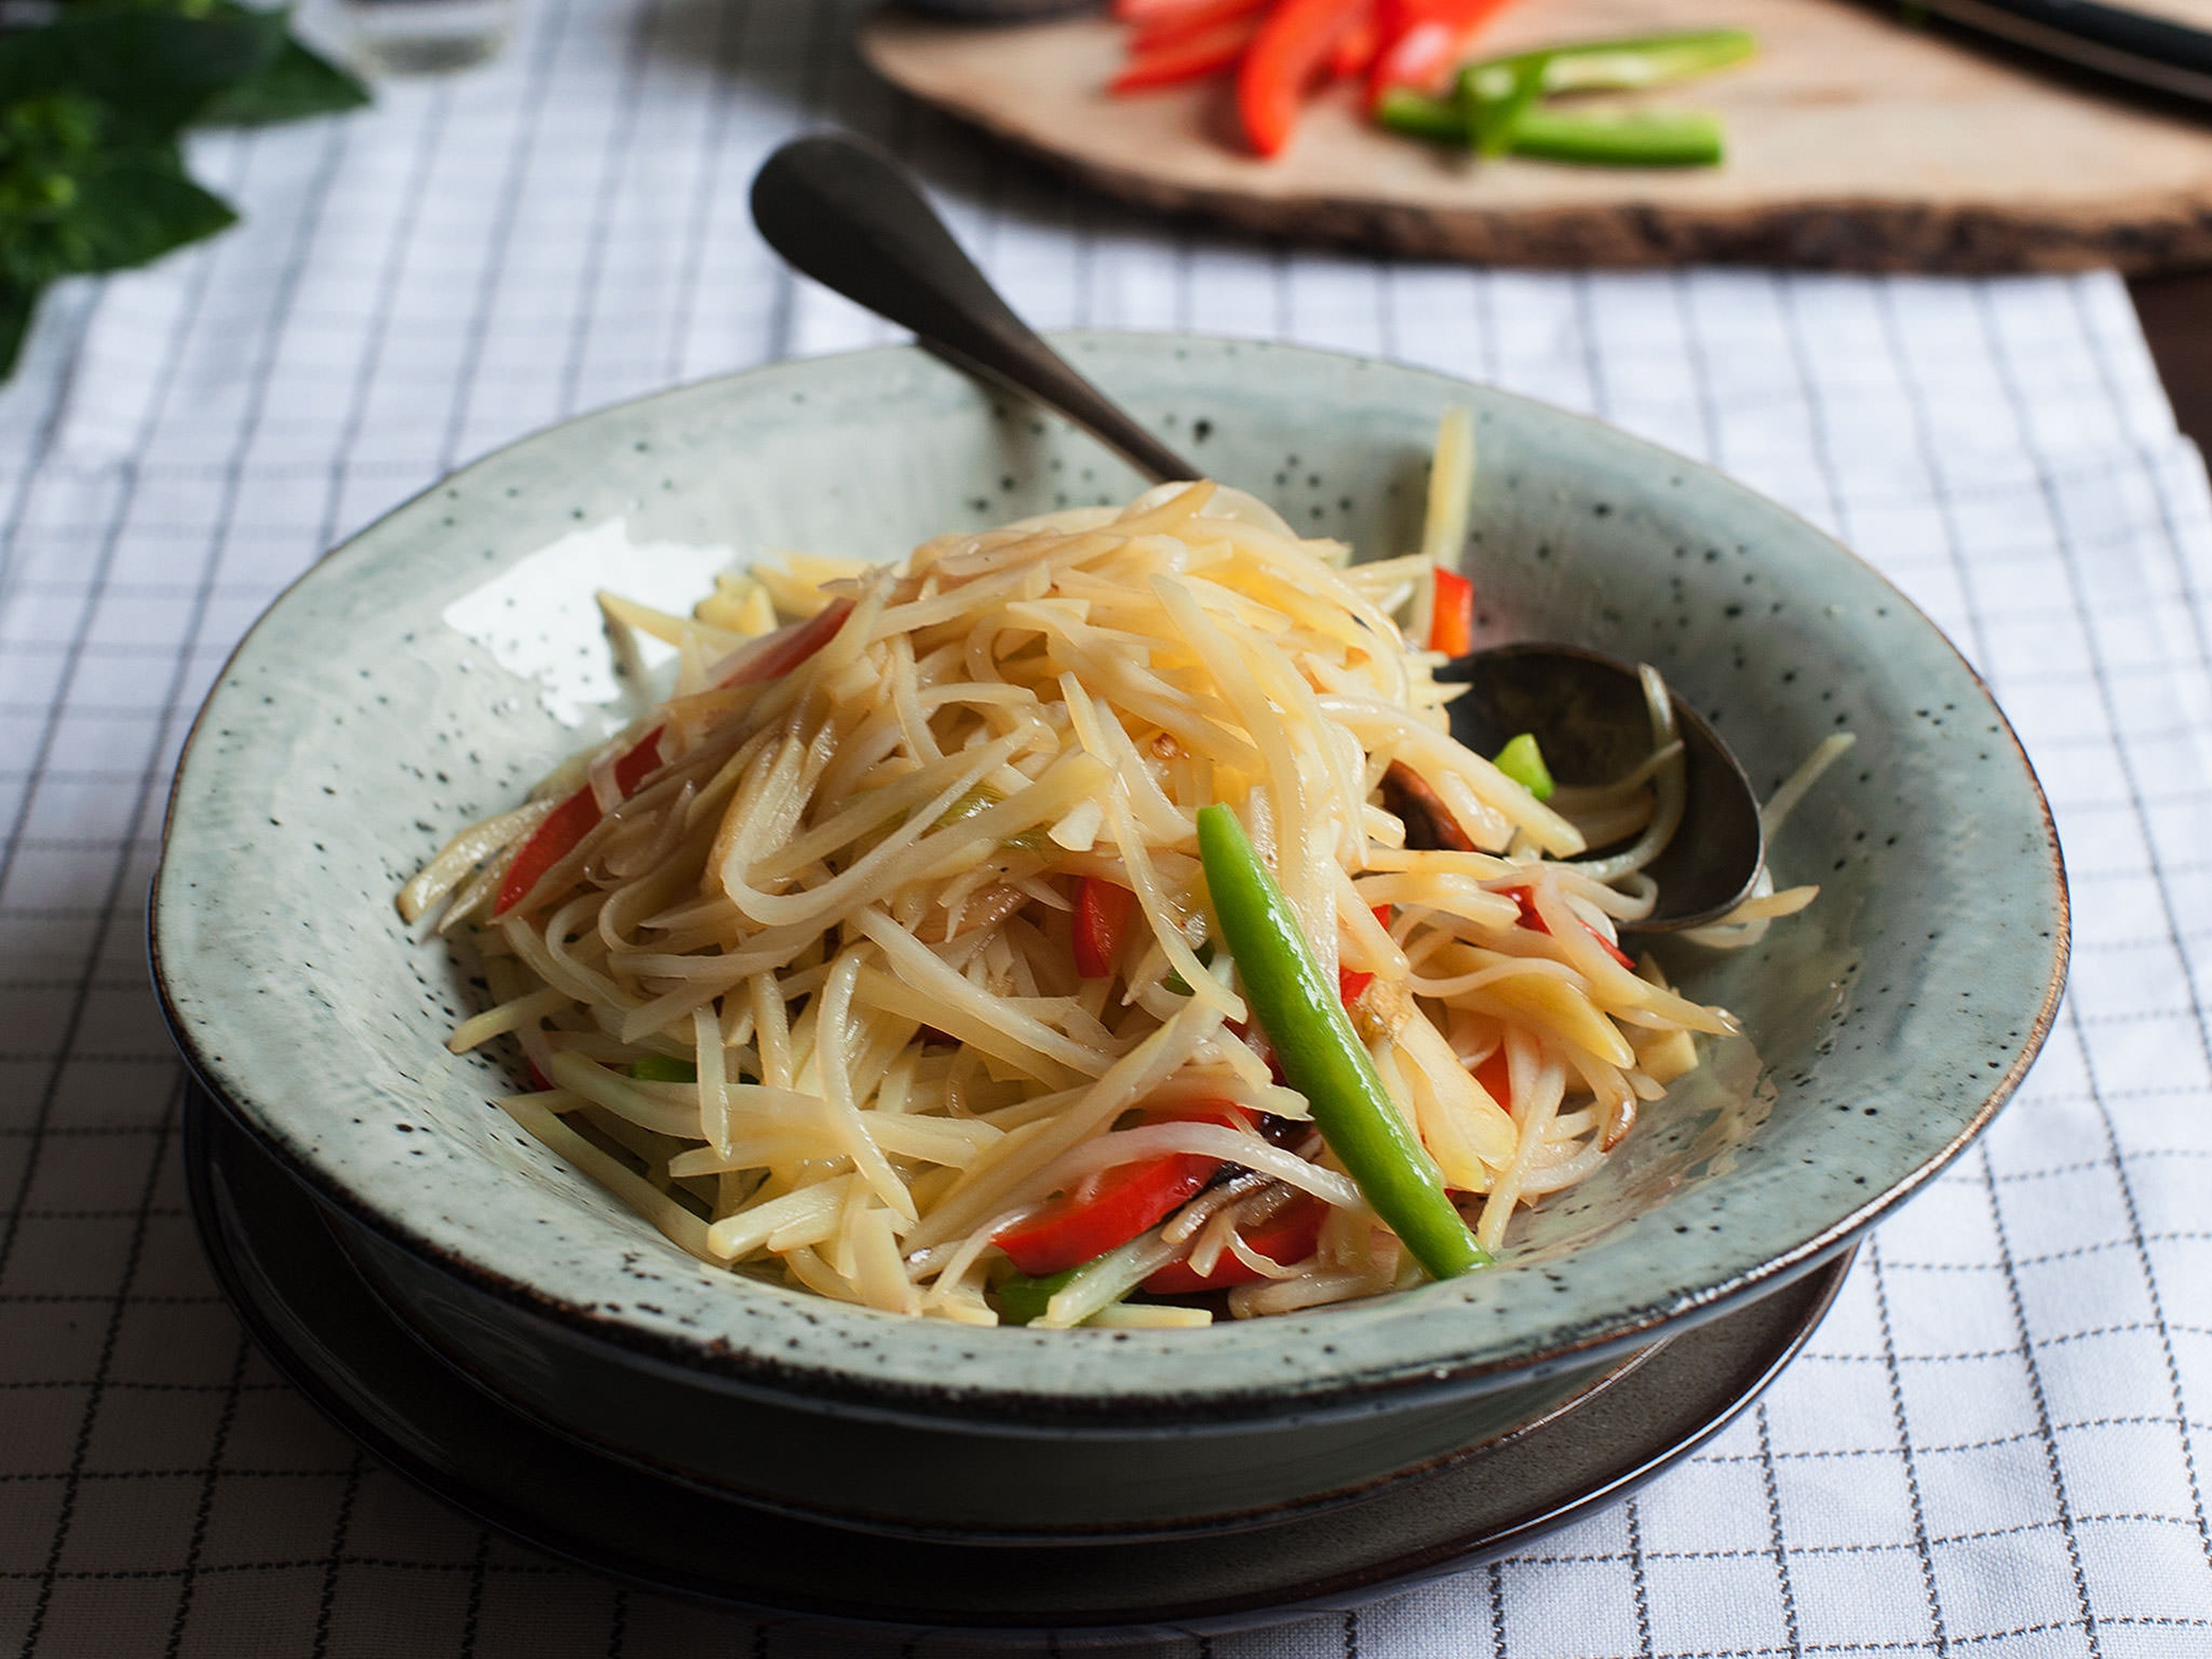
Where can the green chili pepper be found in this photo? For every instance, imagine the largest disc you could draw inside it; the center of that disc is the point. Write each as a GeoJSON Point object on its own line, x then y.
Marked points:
{"type": "Point", "coordinates": [1650, 60]}
{"type": "Point", "coordinates": [1022, 1298]}
{"type": "Point", "coordinates": [1521, 760]}
{"type": "Point", "coordinates": [659, 1068]}
{"type": "Point", "coordinates": [1492, 103]}
{"type": "Point", "coordinates": [1442, 120]}
{"type": "Point", "coordinates": [981, 798]}
{"type": "Point", "coordinates": [1322, 1057]}
{"type": "Point", "coordinates": [1684, 138]}
{"type": "Point", "coordinates": [1495, 107]}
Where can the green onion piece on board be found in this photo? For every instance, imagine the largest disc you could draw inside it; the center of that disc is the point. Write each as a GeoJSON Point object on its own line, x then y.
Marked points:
{"type": "Point", "coordinates": [1521, 760]}
{"type": "Point", "coordinates": [1495, 108]}
{"type": "Point", "coordinates": [1686, 138]}
{"type": "Point", "coordinates": [1623, 65]}
{"type": "Point", "coordinates": [1440, 120]}
{"type": "Point", "coordinates": [1494, 98]}
{"type": "Point", "coordinates": [659, 1068]}
{"type": "Point", "coordinates": [1651, 60]}
{"type": "Point", "coordinates": [1321, 1055]}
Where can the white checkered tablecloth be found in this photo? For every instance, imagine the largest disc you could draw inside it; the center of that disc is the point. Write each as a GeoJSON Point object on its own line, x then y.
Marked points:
{"type": "Point", "coordinates": [1996, 1445]}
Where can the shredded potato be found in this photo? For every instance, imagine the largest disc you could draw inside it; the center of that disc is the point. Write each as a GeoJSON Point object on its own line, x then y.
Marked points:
{"type": "Point", "coordinates": [807, 991]}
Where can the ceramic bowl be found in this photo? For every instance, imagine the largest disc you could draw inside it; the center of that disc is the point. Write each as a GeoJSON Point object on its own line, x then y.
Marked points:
{"type": "Point", "coordinates": [427, 673]}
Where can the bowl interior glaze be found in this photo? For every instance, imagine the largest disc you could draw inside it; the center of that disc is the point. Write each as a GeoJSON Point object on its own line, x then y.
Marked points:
{"type": "Point", "coordinates": [358, 727]}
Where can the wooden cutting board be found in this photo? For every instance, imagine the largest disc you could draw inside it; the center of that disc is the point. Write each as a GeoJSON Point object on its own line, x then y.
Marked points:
{"type": "Point", "coordinates": [1855, 142]}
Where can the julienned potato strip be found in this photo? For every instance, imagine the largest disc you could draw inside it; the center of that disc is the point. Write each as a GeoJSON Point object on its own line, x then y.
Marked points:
{"type": "Point", "coordinates": [902, 954]}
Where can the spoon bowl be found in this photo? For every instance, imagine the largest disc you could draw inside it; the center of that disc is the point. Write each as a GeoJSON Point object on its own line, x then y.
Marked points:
{"type": "Point", "coordinates": [1587, 714]}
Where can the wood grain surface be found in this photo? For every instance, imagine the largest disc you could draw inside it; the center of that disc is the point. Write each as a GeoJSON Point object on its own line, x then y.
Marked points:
{"type": "Point", "coordinates": [1855, 142]}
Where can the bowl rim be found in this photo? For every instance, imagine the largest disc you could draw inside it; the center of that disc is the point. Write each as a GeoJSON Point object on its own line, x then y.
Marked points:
{"type": "Point", "coordinates": [1021, 1410]}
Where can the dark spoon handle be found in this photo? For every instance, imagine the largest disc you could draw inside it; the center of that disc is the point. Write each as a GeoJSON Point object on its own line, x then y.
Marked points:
{"type": "Point", "coordinates": [851, 217]}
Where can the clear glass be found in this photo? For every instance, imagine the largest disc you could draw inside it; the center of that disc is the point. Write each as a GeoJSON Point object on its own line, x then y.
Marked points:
{"type": "Point", "coordinates": [425, 37]}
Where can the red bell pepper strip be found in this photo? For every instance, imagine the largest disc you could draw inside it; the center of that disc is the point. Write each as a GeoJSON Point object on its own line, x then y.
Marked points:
{"type": "Point", "coordinates": [767, 658]}
{"type": "Point", "coordinates": [1290, 1235]}
{"type": "Point", "coordinates": [1199, 17]}
{"type": "Point", "coordinates": [570, 822]}
{"type": "Point", "coordinates": [1101, 915]}
{"type": "Point", "coordinates": [1187, 58]}
{"type": "Point", "coordinates": [1106, 1210]}
{"type": "Point", "coordinates": [1292, 49]}
{"type": "Point", "coordinates": [1531, 918]}
{"type": "Point", "coordinates": [1497, 1077]}
{"type": "Point", "coordinates": [1422, 40]}
{"type": "Point", "coordinates": [1451, 617]}
{"type": "Point", "coordinates": [1356, 48]}
{"type": "Point", "coordinates": [772, 656]}
{"type": "Point", "coordinates": [1351, 982]}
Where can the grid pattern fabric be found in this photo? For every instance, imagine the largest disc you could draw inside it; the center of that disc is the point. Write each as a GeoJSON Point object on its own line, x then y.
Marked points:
{"type": "Point", "coordinates": [1997, 1445]}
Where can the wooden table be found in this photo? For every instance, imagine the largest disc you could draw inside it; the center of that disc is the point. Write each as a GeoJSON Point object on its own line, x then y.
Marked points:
{"type": "Point", "coordinates": [2176, 320]}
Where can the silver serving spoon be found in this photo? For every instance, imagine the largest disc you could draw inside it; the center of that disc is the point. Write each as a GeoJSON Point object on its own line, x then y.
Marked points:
{"type": "Point", "coordinates": [845, 213]}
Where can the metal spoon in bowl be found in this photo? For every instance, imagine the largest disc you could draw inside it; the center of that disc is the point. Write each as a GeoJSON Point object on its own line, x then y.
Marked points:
{"type": "Point", "coordinates": [850, 216]}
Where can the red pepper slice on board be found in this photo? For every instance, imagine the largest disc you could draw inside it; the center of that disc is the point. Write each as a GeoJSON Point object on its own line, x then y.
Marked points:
{"type": "Point", "coordinates": [1161, 14]}
{"type": "Point", "coordinates": [1355, 49]}
{"type": "Point", "coordinates": [1102, 916]}
{"type": "Point", "coordinates": [1185, 59]}
{"type": "Point", "coordinates": [767, 658]}
{"type": "Point", "coordinates": [1529, 918]}
{"type": "Point", "coordinates": [1197, 17]}
{"type": "Point", "coordinates": [1292, 49]}
{"type": "Point", "coordinates": [1422, 40]}
{"type": "Point", "coordinates": [1109, 1208]}
{"type": "Point", "coordinates": [1451, 618]}
{"type": "Point", "coordinates": [1290, 1235]}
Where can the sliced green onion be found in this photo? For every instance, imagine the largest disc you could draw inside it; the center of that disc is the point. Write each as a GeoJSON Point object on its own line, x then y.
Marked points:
{"type": "Point", "coordinates": [1105, 1279]}
{"type": "Point", "coordinates": [980, 799]}
{"type": "Point", "coordinates": [1495, 108]}
{"type": "Point", "coordinates": [1085, 1288]}
{"type": "Point", "coordinates": [1650, 60]}
{"type": "Point", "coordinates": [1021, 1298]}
{"type": "Point", "coordinates": [1404, 111]}
{"type": "Point", "coordinates": [1494, 98]}
{"type": "Point", "coordinates": [1657, 138]}
{"type": "Point", "coordinates": [1521, 760]}
{"type": "Point", "coordinates": [660, 1068]}
{"type": "Point", "coordinates": [1177, 983]}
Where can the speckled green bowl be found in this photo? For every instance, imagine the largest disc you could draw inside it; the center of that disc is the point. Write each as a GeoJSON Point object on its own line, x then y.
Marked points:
{"type": "Point", "coordinates": [357, 728]}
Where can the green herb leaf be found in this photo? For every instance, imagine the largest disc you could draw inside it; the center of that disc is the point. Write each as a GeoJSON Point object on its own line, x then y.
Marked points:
{"type": "Point", "coordinates": [297, 83]}
{"type": "Point", "coordinates": [135, 207]}
{"type": "Point", "coordinates": [18, 305]}
{"type": "Point", "coordinates": [153, 72]}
